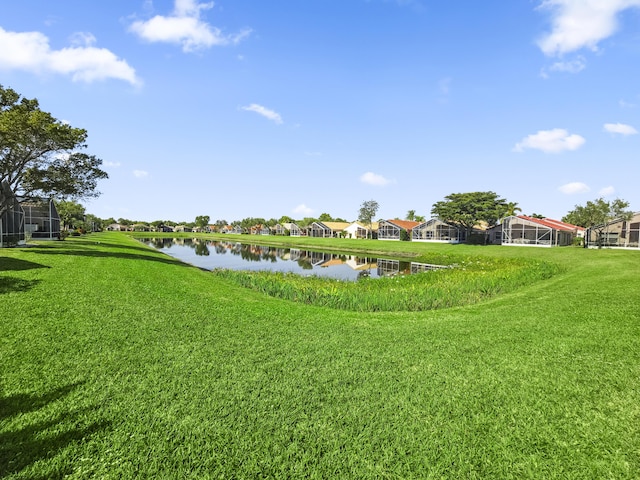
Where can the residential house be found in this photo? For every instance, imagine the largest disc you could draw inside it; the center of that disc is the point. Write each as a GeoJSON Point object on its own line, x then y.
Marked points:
{"type": "Point", "coordinates": [523, 230]}
{"type": "Point", "coordinates": [337, 228]}
{"type": "Point", "coordinates": [326, 229]}
{"type": "Point", "coordinates": [435, 230]}
{"type": "Point", "coordinates": [11, 218]}
{"type": "Point", "coordinates": [41, 219]}
{"type": "Point", "coordinates": [282, 229]}
{"type": "Point", "coordinates": [116, 227]}
{"type": "Point", "coordinates": [616, 234]}
{"type": "Point", "coordinates": [319, 229]}
{"type": "Point", "coordinates": [392, 229]}
{"type": "Point", "coordinates": [360, 230]}
{"type": "Point", "coordinates": [260, 230]}
{"type": "Point", "coordinates": [295, 230]}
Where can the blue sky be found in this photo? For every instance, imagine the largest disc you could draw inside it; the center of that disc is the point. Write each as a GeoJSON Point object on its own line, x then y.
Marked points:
{"type": "Point", "coordinates": [249, 108]}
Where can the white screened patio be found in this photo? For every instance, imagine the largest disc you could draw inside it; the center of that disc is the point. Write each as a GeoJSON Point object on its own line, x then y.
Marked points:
{"type": "Point", "coordinates": [388, 230]}
{"type": "Point", "coordinates": [318, 229]}
{"type": "Point", "coordinates": [532, 232]}
{"type": "Point", "coordinates": [435, 230]}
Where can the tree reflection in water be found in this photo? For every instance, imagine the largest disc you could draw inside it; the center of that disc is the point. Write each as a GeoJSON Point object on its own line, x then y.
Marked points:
{"type": "Point", "coordinates": [212, 254]}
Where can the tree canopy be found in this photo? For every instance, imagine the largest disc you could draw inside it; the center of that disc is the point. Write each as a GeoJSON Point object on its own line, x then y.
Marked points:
{"type": "Point", "coordinates": [70, 212]}
{"type": "Point", "coordinates": [202, 221]}
{"type": "Point", "coordinates": [469, 209]}
{"type": "Point", "coordinates": [40, 155]}
{"type": "Point", "coordinates": [597, 214]}
{"type": "Point", "coordinates": [368, 211]}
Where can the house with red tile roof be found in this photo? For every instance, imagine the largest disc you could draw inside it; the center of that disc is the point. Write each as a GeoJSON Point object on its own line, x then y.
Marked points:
{"type": "Point", "coordinates": [523, 230]}
{"type": "Point", "coordinates": [391, 229]}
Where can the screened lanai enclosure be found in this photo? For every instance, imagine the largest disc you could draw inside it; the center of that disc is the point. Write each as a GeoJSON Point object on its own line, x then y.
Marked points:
{"type": "Point", "coordinates": [388, 230]}
{"type": "Point", "coordinates": [11, 218]}
{"type": "Point", "coordinates": [318, 229]}
{"type": "Point", "coordinates": [528, 231]}
{"type": "Point", "coordinates": [435, 230]}
{"type": "Point", "coordinates": [617, 234]}
{"type": "Point", "coordinates": [41, 219]}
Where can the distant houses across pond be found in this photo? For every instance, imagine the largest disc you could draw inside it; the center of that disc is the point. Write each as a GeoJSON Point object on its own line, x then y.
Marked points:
{"type": "Point", "coordinates": [39, 219]}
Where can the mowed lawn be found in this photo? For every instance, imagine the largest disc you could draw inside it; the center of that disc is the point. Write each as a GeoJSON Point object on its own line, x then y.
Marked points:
{"type": "Point", "coordinates": [118, 362]}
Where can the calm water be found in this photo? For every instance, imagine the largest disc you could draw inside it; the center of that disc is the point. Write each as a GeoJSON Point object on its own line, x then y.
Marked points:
{"type": "Point", "coordinates": [210, 255]}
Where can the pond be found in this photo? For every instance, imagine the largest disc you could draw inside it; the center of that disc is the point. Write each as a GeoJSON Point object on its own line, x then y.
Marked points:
{"type": "Point", "coordinates": [212, 254]}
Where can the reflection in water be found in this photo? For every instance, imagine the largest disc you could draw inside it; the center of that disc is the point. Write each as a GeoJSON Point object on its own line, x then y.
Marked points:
{"type": "Point", "coordinates": [211, 254]}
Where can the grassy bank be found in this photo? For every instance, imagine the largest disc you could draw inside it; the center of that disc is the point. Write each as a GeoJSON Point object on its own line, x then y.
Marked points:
{"type": "Point", "coordinates": [467, 280]}
{"type": "Point", "coordinates": [119, 362]}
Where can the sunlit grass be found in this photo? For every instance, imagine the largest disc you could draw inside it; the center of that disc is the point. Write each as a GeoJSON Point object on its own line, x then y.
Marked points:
{"type": "Point", "coordinates": [117, 361]}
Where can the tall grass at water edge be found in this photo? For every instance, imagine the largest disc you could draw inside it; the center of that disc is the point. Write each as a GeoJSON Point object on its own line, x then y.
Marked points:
{"type": "Point", "coordinates": [464, 281]}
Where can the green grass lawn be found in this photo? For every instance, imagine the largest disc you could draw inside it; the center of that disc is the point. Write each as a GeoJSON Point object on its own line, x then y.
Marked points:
{"type": "Point", "coordinates": [118, 362]}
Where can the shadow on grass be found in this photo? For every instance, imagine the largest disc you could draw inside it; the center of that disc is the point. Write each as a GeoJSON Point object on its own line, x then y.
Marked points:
{"type": "Point", "coordinates": [35, 441]}
{"type": "Point", "coordinates": [94, 252]}
{"type": "Point", "coordinates": [16, 264]}
{"type": "Point", "coordinates": [11, 284]}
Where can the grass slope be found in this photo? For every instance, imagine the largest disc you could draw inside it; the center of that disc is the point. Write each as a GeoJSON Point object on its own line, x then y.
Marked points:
{"type": "Point", "coordinates": [118, 362]}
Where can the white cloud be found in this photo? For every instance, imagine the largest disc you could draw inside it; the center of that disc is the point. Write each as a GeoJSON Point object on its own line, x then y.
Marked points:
{"type": "Point", "coordinates": [625, 104]}
{"type": "Point", "coordinates": [607, 191]}
{"type": "Point", "coordinates": [572, 66]}
{"type": "Point", "coordinates": [551, 141]}
{"type": "Point", "coordinates": [30, 51]}
{"type": "Point", "coordinates": [185, 27]}
{"type": "Point", "coordinates": [111, 164]}
{"type": "Point", "coordinates": [578, 24]}
{"type": "Point", "coordinates": [140, 173]}
{"type": "Point", "coordinates": [303, 209]}
{"type": "Point", "coordinates": [574, 187]}
{"type": "Point", "coordinates": [371, 178]}
{"type": "Point", "coordinates": [620, 128]}
{"type": "Point", "coordinates": [265, 112]}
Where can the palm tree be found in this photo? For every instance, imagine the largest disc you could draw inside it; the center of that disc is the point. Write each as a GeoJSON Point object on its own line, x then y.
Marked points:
{"type": "Point", "coordinates": [510, 209]}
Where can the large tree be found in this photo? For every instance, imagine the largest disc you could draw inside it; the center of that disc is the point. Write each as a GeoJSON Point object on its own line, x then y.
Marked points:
{"type": "Point", "coordinates": [40, 155]}
{"type": "Point", "coordinates": [202, 221]}
{"type": "Point", "coordinates": [367, 212]}
{"type": "Point", "coordinates": [597, 215]}
{"type": "Point", "coordinates": [470, 209]}
{"type": "Point", "coordinates": [71, 213]}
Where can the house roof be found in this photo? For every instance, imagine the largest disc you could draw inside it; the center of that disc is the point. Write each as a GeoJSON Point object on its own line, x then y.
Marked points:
{"type": "Point", "coordinates": [405, 224]}
{"type": "Point", "coordinates": [374, 225]}
{"type": "Point", "coordinates": [436, 221]}
{"type": "Point", "coordinates": [551, 223]}
{"type": "Point", "coordinates": [336, 225]}
{"type": "Point", "coordinates": [563, 225]}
